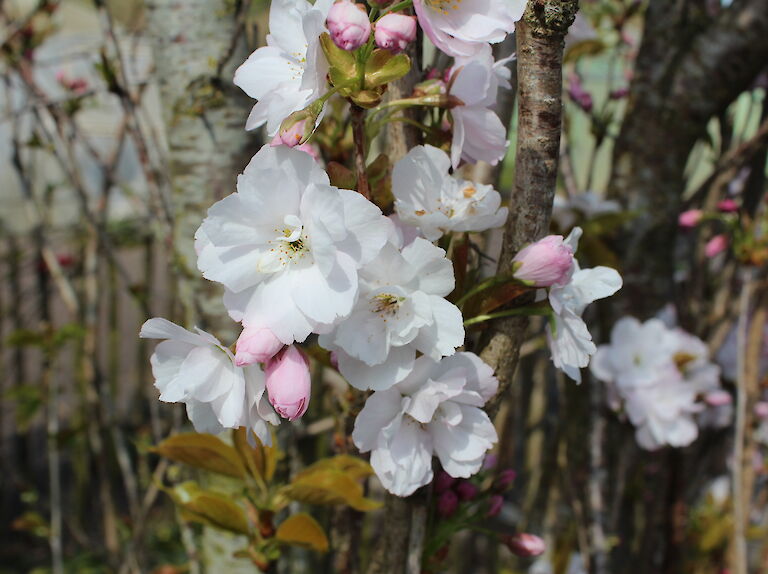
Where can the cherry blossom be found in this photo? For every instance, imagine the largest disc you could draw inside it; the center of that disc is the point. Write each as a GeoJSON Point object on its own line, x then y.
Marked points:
{"type": "Point", "coordinates": [290, 71]}
{"type": "Point", "coordinates": [463, 27]}
{"type": "Point", "coordinates": [570, 342]}
{"type": "Point", "coordinates": [661, 376]}
{"type": "Point", "coordinates": [437, 410]}
{"type": "Point", "coordinates": [478, 134]}
{"type": "Point", "coordinates": [427, 197]}
{"type": "Point", "coordinates": [288, 245]}
{"type": "Point", "coordinates": [400, 310]}
{"type": "Point", "coordinates": [197, 370]}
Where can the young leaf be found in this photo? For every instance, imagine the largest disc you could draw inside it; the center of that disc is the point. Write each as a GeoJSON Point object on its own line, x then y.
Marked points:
{"type": "Point", "coordinates": [302, 530]}
{"type": "Point", "coordinates": [327, 486]}
{"type": "Point", "coordinates": [202, 451]}
{"type": "Point", "coordinates": [209, 508]}
{"type": "Point", "coordinates": [384, 67]}
{"type": "Point", "coordinates": [252, 456]}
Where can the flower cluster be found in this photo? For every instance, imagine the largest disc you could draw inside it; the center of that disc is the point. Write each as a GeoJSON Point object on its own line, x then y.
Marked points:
{"type": "Point", "coordinates": [300, 255]}
{"type": "Point", "coordinates": [661, 377]}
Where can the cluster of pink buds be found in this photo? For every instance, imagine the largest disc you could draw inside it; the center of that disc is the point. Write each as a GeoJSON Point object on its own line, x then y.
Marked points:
{"type": "Point", "coordinates": [693, 217]}
{"type": "Point", "coordinates": [288, 380]}
{"type": "Point", "coordinates": [350, 28]}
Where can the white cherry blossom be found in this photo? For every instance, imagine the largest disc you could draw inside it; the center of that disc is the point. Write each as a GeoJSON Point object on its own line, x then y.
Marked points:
{"type": "Point", "coordinates": [658, 375]}
{"type": "Point", "coordinates": [435, 410]}
{"type": "Point", "coordinates": [427, 197]}
{"type": "Point", "coordinates": [571, 343]}
{"type": "Point", "coordinates": [197, 370]}
{"type": "Point", "coordinates": [478, 134]}
{"type": "Point", "coordinates": [288, 245]}
{"type": "Point", "coordinates": [463, 27]}
{"type": "Point", "coordinates": [289, 72]}
{"type": "Point", "coordinates": [400, 310]}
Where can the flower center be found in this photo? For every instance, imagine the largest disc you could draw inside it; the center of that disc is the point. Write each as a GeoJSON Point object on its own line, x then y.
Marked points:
{"type": "Point", "coordinates": [385, 304]}
{"type": "Point", "coordinates": [290, 246]}
{"type": "Point", "coordinates": [443, 6]}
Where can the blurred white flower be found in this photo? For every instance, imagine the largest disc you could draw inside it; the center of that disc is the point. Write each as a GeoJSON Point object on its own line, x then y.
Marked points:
{"type": "Point", "coordinates": [659, 375]}
{"type": "Point", "coordinates": [436, 409]}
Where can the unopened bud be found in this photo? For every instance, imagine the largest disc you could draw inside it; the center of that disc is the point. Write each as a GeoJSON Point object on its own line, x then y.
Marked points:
{"type": "Point", "coordinates": [289, 383]}
{"type": "Point", "coordinates": [525, 545]}
{"type": "Point", "coordinates": [395, 31]}
{"type": "Point", "coordinates": [348, 25]}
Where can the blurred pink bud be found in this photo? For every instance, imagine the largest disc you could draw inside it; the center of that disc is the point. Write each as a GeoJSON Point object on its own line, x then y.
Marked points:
{"type": "Point", "coordinates": [718, 398]}
{"type": "Point", "coordinates": [348, 24]}
{"type": "Point", "coordinates": [716, 245]}
{"type": "Point", "coordinates": [495, 503]}
{"type": "Point", "coordinates": [525, 545]}
{"type": "Point", "coordinates": [395, 31]}
{"type": "Point", "coordinates": [578, 94]}
{"type": "Point", "coordinates": [467, 490]}
{"type": "Point", "coordinates": [289, 384]}
{"type": "Point", "coordinates": [761, 409]}
{"type": "Point", "coordinates": [619, 93]}
{"type": "Point", "coordinates": [490, 461]}
{"type": "Point", "coordinates": [544, 263]}
{"type": "Point", "coordinates": [256, 345]}
{"type": "Point", "coordinates": [727, 205]}
{"type": "Point", "coordinates": [447, 503]}
{"type": "Point", "coordinates": [443, 481]}
{"type": "Point", "coordinates": [505, 478]}
{"type": "Point", "coordinates": [690, 218]}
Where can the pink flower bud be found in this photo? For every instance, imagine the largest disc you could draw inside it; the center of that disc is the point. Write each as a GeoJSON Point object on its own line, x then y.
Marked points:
{"type": "Point", "coordinates": [727, 205]}
{"type": "Point", "coordinates": [443, 481]}
{"type": "Point", "coordinates": [525, 545]}
{"type": "Point", "coordinates": [348, 24]}
{"type": "Point", "coordinates": [466, 490]}
{"type": "Point", "coordinates": [544, 263]}
{"type": "Point", "coordinates": [495, 503]}
{"type": "Point", "coordinates": [716, 245]}
{"type": "Point", "coordinates": [294, 134]}
{"type": "Point", "coordinates": [490, 461]}
{"type": "Point", "coordinates": [256, 345]}
{"type": "Point", "coordinates": [505, 478]}
{"type": "Point", "coordinates": [718, 398]}
{"type": "Point", "coordinates": [578, 94]}
{"type": "Point", "coordinates": [447, 503]}
{"type": "Point", "coordinates": [761, 409]}
{"type": "Point", "coordinates": [289, 383]}
{"type": "Point", "coordinates": [690, 218]}
{"type": "Point", "coordinates": [395, 31]}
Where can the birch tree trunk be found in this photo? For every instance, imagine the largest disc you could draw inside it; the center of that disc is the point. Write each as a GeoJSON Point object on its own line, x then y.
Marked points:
{"type": "Point", "coordinates": [197, 46]}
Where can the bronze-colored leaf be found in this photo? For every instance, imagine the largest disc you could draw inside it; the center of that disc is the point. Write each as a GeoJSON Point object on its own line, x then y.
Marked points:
{"type": "Point", "coordinates": [252, 456]}
{"type": "Point", "coordinates": [328, 486]}
{"type": "Point", "coordinates": [209, 508]}
{"type": "Point", "coordinates": [302, 530]}
{"type": "Point", "coordinates": [202, 451]}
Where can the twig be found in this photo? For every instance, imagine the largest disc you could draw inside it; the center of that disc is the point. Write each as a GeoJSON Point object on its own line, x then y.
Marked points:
{"type": "Point", "coordinates": [358, 133]}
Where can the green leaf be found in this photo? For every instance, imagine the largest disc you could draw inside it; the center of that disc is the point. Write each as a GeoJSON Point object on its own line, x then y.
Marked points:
{"type": "Point", "coordinates": [384, 67]}
{"type": "Point", "coordinates": [302, 530]}
{"type": "Point", "coordinates": [209, 508]}
{"type": "Point", "coordinates": [202, 451]}
{"type": "Point", "coordinates": [343, 65]}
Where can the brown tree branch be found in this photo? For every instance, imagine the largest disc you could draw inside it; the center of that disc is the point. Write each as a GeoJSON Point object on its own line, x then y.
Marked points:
{"type": "Point", "coordinates": [540, 40]}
